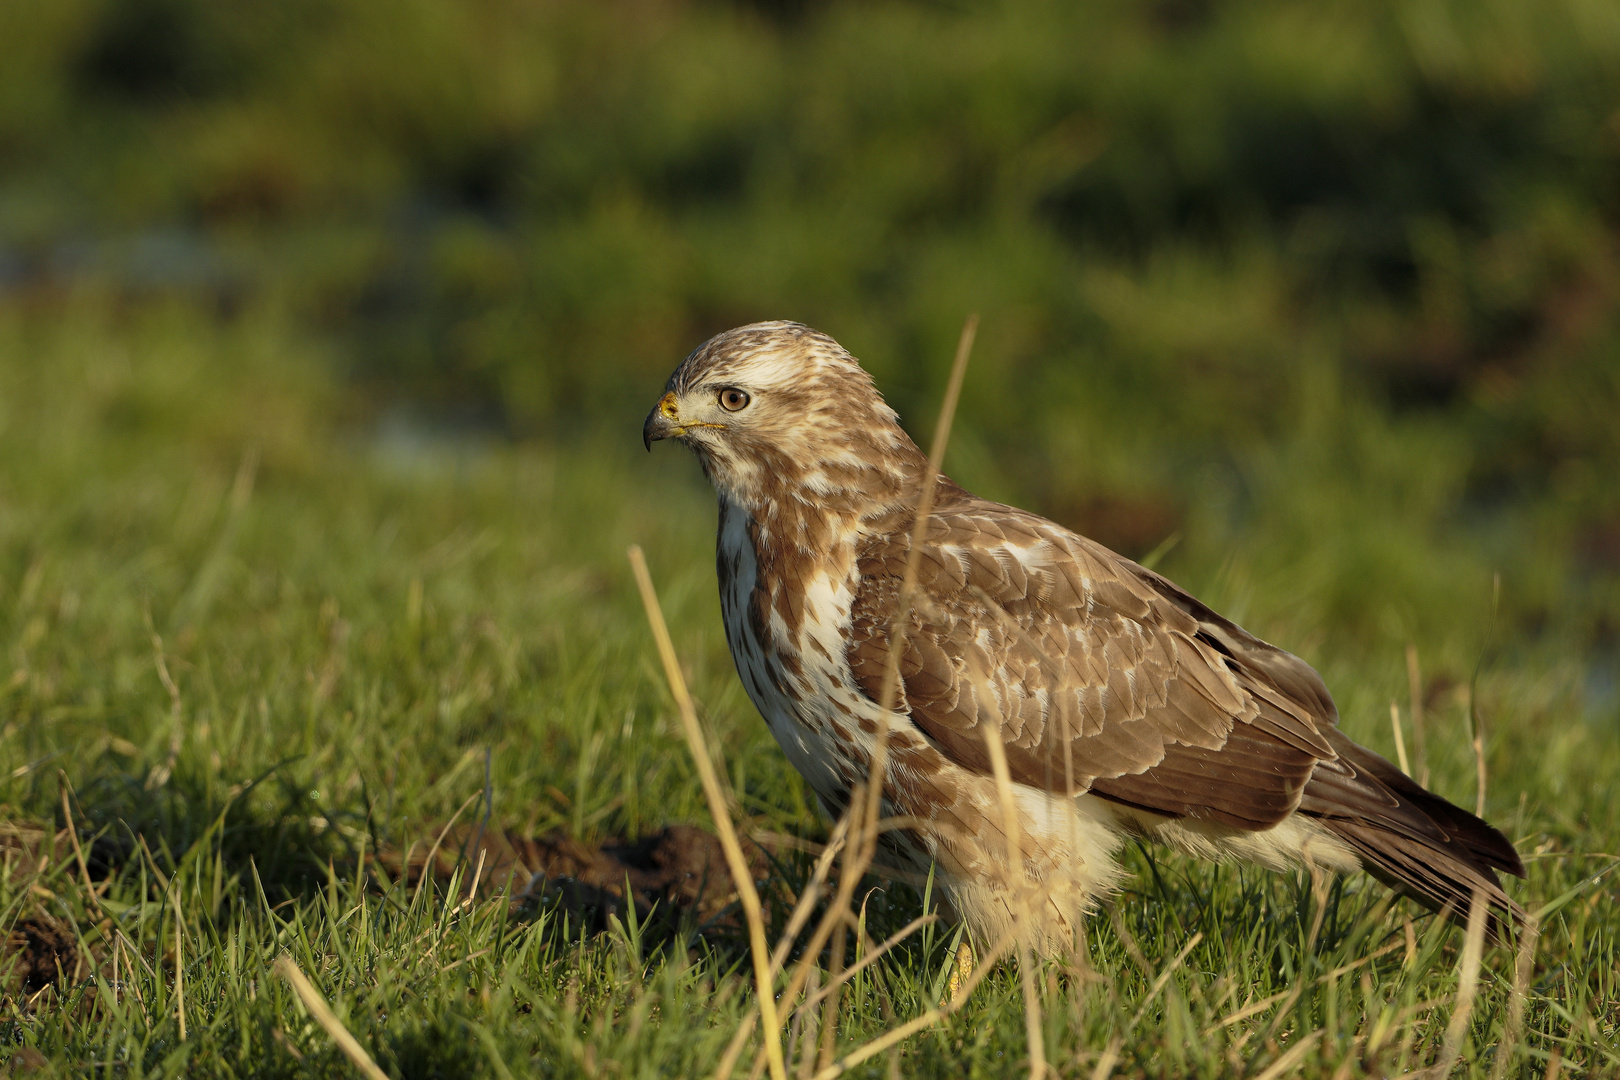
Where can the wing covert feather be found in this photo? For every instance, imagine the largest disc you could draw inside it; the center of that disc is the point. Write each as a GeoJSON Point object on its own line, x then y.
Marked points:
{"type": "Point", "coordinates": [1095, 673]}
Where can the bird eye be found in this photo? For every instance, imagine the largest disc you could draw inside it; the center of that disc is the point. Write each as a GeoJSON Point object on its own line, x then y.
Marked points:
{"type": "Point", "coordinates": [732, 399]}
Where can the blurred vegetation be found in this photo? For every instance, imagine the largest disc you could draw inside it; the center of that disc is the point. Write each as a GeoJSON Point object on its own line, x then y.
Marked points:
{"type": "Point", "coordinates": [326, 332]}
{"type": "Point", "coordinates": [1345, 269]}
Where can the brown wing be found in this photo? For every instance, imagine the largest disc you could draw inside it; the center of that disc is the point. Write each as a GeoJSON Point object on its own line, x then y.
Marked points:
{"type": "Point", "coordinates": [1095, 673]}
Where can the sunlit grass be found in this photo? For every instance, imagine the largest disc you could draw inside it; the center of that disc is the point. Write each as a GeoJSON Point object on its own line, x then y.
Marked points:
{"type": "Point", "coordinates": [355, 617]}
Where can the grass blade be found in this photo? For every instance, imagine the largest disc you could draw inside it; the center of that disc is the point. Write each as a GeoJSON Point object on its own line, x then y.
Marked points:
{"type": "Point", "coordinates": [323, 1015]}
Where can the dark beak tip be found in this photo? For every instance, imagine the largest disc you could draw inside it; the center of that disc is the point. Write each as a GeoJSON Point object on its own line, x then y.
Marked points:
{"type": "Point", "coordinates": [651, 430]}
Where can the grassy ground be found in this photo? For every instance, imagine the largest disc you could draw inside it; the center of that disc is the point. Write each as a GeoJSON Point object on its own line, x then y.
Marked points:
{"type": "Point", "coordinates": [264, 638]}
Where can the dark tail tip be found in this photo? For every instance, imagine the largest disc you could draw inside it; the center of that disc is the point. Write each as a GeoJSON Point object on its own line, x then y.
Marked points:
{"type": "Point", "coordinates": [1442, 878]}
{"type": "Point", "coordinates": [1411, 839]}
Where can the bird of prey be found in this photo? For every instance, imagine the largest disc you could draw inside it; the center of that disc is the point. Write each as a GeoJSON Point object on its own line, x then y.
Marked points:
{"type": "Point", "coordinates": [1125, 707]}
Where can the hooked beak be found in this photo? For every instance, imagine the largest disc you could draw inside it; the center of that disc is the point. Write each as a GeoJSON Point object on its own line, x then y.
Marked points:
{"type": "Point", "coordinates": [663, 422]}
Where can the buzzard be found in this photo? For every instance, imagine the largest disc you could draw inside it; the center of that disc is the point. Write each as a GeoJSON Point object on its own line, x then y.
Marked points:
{"type": "Point", "coordinates": [1124, 706]}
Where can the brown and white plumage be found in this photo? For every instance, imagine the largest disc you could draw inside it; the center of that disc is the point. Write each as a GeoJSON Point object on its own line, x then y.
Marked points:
{"type": "Point", "coordinates": [1124, 706]}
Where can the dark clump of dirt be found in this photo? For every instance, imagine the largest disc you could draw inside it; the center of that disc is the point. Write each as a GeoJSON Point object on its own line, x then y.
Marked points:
{"type": "Point", "coordinates": [677, 872]}
{"type": "Point", "coordinates": [680, 866]}
{"type": "Point", "coordinates": [42, 950]}
{"type": "Point", "coordinates": [25, 1059]}
{"type": "Point", "coordinates": [37, 950]}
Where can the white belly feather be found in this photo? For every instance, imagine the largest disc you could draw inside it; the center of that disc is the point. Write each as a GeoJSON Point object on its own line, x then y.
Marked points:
{"type": "Point", "coordinates": [802, 724]}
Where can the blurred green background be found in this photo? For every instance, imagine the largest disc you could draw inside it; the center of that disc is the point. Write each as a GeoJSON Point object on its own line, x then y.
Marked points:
{"type": "Point", "coordinates": [1324, 294]}
{"type": "Point", "coordinates": [327, 328]}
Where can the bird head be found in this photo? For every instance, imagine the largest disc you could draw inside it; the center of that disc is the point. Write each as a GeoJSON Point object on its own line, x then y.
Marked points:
{"type": "Point", "coordinates": [777, 409]}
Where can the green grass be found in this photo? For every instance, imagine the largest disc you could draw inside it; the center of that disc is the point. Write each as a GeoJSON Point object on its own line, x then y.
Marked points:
{"type": "Point", "coordinates": [353, 612]}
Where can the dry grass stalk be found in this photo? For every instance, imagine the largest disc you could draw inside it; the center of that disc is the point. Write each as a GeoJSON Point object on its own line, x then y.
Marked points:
{"type": "Point", "coordinates": [179, 964]}
{"type": "Point", "coordinates": [812, 892]}
{"type": "Point", "coordinates": [429, 863]}
{"type": "Point", "coordinates": [1265, 1003]}
{"type": "Point", "coordinates": [1290, 999]}
{"type": "Point", "coordinates": [899, 1034]}
{"type": "Point", "coordinates": [1467, 985]}
{"type": "Point", "coordinates": [842, 920]}
{"type": "Point", "coordinates": [866, 804]}
{"type": "Point", "coordinates": [867, 961]}
{"type": "Point", "coordinates": [769, 840]}
{"type": "Point", "coordinates": [925, 510]}
{"type": "Point", "coordinates": [734, 1049]}
{"type": "Point", "coordinates": [130, 954]}
{"type": "Point", "coordinates": [1414, 683]}
{"type": "Point", "coordinates": [857, 857]}
{"type": "Point", "coordinates": [806, 974]}
{"type": "Point", "coordinates": [1400, 743]}
{"type": "Point", "coordinates": [78, 851]}
{"type": "Point", "coordinates": [1164, 977]}
{"type": "Point", "coordinates": [1523, 965]}
{"type": "Point", "coordinates": [855, 861]}
{"type": "Point", "coordinates": [900, 620]}
{"type": "Point", "coordinates": [807, 1022]}
{"type": "Point", "coordinates": [478, 873]}
{"type": "Point", "coordinates": [741, 876]}
{"type": "Point", "coordinates": [1021, 899]}
{"type": "Point", "coordinates": [1320, 883]}
{"type": "Point", "coordinates": [796, 921]}
{"type": "Point", "coordinates": [1110, 1058]}
{"type": "Point", "coordinates": [1479, 758]}
{"type": "Point", "coordinates": [1293, 1057]}
{"type": "Point", "coordinates": [908, 582]}
{"type": "Point", "coordinates": [834, 918]}
{"type": "Point", "coordinates": [829, 1011]}
{"type": "Point", "coordinates": [322, 1013]}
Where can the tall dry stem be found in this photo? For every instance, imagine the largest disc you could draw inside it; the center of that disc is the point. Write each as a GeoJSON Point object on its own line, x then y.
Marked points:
{"type": "Point", "coordinates": [179, 963]}
{"type": "Point", "coordinates": [1400, 743]}
{"type": "Point", "coordinates": [91, 898]}
{"type": "Point", "coordinates": [1467, 985]}
{"type": "Point", "coordinates": [322, 1013]}
{"type": "Point", "coordinates": [1524, 965]}
{"type": "Point", "coordinates": [865, 808]}
{"type": "Point", "coordinates": [932, 1016]}
{"type": "Point", "coordinates": [1021, 900]}
{"type": "Point", "coordinates": [741, 876]}
{"type": "Point", "coordinates": [899, 623]}
{"type": "Point", "coordinates": [1414, 683]}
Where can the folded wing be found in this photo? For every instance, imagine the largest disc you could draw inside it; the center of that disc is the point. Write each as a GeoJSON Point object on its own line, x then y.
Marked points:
{"type": "Point", "coordinates": [1095, 674]}
{"type": "Point", "coordinates": [1099, 675]}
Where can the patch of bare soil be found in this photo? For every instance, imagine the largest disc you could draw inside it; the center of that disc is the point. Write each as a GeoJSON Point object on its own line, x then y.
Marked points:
{"type": "Point", "coordinates": [678, 871]}
{"type": "Point", "coordinates": [676, 875]}
{"type": "Point", "coordinates": [24, 1060]}
{"type": "Point", "coordinates": [40, 951]}
{"type": "Point", "coordinates": [37, 950]}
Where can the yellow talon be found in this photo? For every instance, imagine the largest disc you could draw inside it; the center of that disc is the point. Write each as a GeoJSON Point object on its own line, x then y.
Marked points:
{"type": "Point", "coordinates": [960, 972]}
